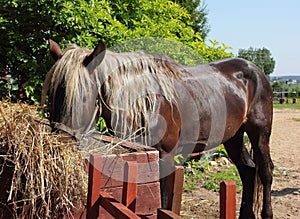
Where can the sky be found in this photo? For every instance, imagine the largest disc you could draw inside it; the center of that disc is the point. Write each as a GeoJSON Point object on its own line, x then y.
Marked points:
{"type": "Point", "coordinates": [272, 24]}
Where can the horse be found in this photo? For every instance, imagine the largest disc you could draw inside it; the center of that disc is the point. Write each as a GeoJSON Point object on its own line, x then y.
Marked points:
{"type": "Point", "coordinates": [151, 99]}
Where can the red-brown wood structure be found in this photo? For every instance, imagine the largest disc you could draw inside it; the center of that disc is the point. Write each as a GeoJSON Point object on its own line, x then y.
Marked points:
{"type": "Point", "coordinates": [127, 186]}
{"type": "Point", "coordinates": [228, 200]}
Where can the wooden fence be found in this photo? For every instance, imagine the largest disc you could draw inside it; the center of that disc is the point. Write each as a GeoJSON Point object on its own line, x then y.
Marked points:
{"type": "Point", "coordinates": [136, 195]}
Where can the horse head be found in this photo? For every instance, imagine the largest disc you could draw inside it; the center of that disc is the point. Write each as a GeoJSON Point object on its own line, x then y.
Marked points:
{"type": "Point", "coordinates": [73, 92]}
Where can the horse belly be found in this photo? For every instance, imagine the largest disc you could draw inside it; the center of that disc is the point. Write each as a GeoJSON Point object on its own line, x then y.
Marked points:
{"type": "Point", "coordinates": [211, 113]}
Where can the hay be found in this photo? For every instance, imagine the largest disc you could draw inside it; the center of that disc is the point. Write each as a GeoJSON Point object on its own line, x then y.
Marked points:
{"type": "Point", "coordinates": [42, 174]}
{"type": "Point", "coordinates": [47, 172]}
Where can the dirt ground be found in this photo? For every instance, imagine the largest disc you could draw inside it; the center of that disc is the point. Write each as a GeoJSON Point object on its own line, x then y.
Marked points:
{"type": "Point", "coordinates": [285, 151]}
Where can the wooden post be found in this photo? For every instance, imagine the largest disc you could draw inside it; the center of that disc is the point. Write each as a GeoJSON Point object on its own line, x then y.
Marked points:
{"type": "Point", "coordinates": [129, 192]}
{"type": "Point", "coordinates": [177, 189]}
{"type": "Point", "coordinates": [175, 180]}
{"type": "Point", "coordinates": [227, 200]}
{"type": "Point", "coordinates": [95, 166]}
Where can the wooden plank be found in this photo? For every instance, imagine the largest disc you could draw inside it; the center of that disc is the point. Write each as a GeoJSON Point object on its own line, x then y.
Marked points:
{"type": "Point", "coordinates": [113, 168]}
{"type": "Point", "coordinates": [166, 214]}
{"type": "Point", "coordinates": [130, 185]}
{"type": "Point", "coordinates": [148, 165]}
{"type": "Point", "coordinates": [115, 208]}
{"type": "Point", "coordinates": [227, 200]}
{"type": "Point", "coordinates": [94, 185]}
{"type": "Point", "coordinates": [177, 189]}
{"type": "Point", "coordinates": [147, 202]}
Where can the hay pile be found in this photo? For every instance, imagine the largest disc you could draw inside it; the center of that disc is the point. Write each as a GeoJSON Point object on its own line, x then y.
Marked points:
{"type": "Point", "coordinates": [42, 175]}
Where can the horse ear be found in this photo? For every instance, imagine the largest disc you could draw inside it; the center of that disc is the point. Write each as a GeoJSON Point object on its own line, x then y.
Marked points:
{"type": "Point", "coordinates": [55, 50]}
{"type": "Point", "coordinates": [96, 57]}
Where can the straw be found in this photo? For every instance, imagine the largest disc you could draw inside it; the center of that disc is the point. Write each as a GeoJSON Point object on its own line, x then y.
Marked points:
{"type": "Point", "coordinates": [48, 173]}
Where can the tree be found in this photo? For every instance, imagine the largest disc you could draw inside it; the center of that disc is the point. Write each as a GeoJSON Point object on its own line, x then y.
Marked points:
{"type": "Point", "coordinates": [198, 16]}
{"type": "Point", "coordinates": [25, 27]}
{"type": "Point", "coordinates": [261, 57]}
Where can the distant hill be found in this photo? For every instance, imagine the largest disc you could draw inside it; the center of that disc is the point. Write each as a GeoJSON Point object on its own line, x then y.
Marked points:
{"type": "Point", "coordinates": [287, 77]}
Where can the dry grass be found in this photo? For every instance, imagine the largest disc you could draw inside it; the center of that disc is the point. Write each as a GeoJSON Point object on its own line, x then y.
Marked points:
{"type": "Point", "coordinates": [48, 176]}
{"type": "Point", "coordinates": [42, 174]}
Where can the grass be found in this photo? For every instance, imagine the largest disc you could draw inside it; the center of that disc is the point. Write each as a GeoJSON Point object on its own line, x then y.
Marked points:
{"type": "Point", "coordinates": [211, 178]}
{"type": "Point", "coordinates": [230, 173]}
{"type": "Point", "coordinates": [296, 119]}
{"type": "Point", "coordinates": [201, 173]}
{"type": "Point", "coordinates": [288, 105]}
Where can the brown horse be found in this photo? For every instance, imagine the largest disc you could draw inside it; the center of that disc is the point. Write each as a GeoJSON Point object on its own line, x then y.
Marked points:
{"type": "Point", "coordinates": [175, 108]}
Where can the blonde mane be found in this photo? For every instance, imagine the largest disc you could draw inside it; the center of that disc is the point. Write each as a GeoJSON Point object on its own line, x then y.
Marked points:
{"type": "Point", "coordinates": [133, 83]}
{"type": "Point", "coordinates": [69, 72]}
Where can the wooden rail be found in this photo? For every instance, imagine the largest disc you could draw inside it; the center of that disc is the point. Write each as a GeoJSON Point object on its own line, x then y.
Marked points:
{"type": "Point", "coordinates": [115, 208]}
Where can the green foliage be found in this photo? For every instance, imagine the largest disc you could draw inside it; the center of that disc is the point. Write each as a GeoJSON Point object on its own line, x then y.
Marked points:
{"type": "Point", "coordinates": [25, 27]}
{"type": "Point", "coordinates": [211, 51]}
{"type": "Point", "coordinates": [198, 16]}
{"type": "Point", "coordinates": [101, 125]}
{"type": "Point", "coordinates": [178, 158]}
{"type": "Point", "coordinates": [292, 89]}
{"type": "Point", "coordinates": [23, 56]}
{"type": "Point", "coordinates": [220, 152]}
{"type": "Point", "coordinates": [261, 57]}
{"type": "Point", "coordinates": [196, 174]}
{"type": "Point", "coordinates": [209, 177]}
{"type": "Point", "coordinates": [172, 48]}
{"type": "Point", "coordinates": [231, 173]}
{"type": "Point", "coordinates": [200, 172]}
{"type": "Point", "coordinates": [246, 139]}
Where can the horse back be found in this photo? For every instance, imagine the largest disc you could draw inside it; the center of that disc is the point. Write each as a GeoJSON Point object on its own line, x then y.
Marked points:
{"type": "Point", "coordinates": [224, 93]}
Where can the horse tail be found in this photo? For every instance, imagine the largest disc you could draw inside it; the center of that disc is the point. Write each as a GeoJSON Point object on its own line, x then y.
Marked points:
{"type": "Point", "coordinates": [258, 195]}
{"type": "Point", "coordinates": [261, 84]}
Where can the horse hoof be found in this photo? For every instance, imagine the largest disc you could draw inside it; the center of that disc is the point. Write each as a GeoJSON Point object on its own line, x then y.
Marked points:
{"type": "Point", "coordinates": [247, 215]}
{"type": "Point", "coordinates": [267, 216]}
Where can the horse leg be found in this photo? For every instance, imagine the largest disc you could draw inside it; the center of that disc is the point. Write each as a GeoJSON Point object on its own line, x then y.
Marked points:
{"type": "Point", "coordinates": [167, 167]}
{"type": "Point", "coordinates": [246, 167]}
{"type": "Point", "coordinates": [259, 137]}
{"type": "Point", "coordinates": [167, 148]}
